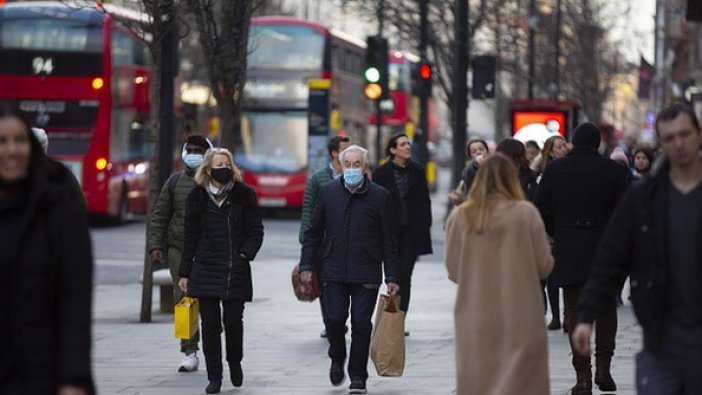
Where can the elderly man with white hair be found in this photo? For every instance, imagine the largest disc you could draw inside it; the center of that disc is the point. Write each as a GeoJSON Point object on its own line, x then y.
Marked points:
{"type": "Point", "coordinates": [355, 224]}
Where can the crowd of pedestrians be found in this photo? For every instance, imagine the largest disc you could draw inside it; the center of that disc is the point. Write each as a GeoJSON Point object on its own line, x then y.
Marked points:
{"type": "Point", "coordinates": [526, 216]}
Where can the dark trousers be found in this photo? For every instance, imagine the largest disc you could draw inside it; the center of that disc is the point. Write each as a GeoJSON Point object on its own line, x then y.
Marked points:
{"type": "Point", "coordinates": [212, 333]}
{"type": "Point", "coordinates": [605, 333]}
{"type": "Point", "coordinates": [675, 369]}
{"type": "Point", "coordinates": [553, 298]}
{"type": "Point", "coordinates": [361, 298]}
{"type": "Point", "coordinates": [407, 259]}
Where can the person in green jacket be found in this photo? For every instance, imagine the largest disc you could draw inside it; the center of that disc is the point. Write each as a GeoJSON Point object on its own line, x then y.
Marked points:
{"type": "Point", "coordinates": [166, 229]}
{"type": "Point", "coordinates": [315, 181]}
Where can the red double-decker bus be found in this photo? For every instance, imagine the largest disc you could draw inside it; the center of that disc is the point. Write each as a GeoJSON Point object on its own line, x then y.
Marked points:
{"type": "Point", "coordinates": [84, 78]}
{"type": "Point", "coordinates": [285, 53]}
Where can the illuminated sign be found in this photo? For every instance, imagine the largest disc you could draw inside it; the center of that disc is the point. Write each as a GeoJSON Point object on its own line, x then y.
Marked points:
{"type": "Point", "coordinates": [521, 119]}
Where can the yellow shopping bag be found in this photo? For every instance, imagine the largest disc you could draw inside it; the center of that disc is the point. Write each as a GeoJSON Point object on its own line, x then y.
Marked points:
{"type": "Point", "coordinates": [185, 317]}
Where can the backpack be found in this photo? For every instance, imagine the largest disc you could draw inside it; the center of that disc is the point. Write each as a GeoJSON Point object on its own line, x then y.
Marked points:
{"type": "Point", "coordinates": [172, 182]}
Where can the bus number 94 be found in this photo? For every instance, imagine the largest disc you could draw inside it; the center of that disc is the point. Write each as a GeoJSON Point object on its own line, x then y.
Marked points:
{"type": "Point", "coordinates": [43, 65]}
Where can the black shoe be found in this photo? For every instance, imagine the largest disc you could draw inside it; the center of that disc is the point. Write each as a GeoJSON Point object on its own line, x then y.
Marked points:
{"type": "Point", "coordinates": [554, 325]}
{"type": "Point", "coordinates": [604, 380]}
{"type": "Point", "coordinates": [323, 334]}
{"type": "Point", "coordinates": [236, 374]}
{"type": "Point", "coordinates": [336, 372]}
{"type": "Point", "coordinates": [213, 387]}
{"type": "Point", "coordinates": [357, 387]}
{"type": "Point", "coordinates": [582, 387]}
{"type": "Point", "coordinates": [565, 328]}
{"type": "Point", "coordinates": [407, 333]}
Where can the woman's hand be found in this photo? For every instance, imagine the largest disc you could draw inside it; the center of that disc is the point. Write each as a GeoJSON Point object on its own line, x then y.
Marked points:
{"type": "Point", "coordinates": [71, 390]}
{"type": "Point", "coordinates": [183, 284]}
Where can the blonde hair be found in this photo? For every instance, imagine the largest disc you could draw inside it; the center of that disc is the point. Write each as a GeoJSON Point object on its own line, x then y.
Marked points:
{"type": "Point", "coordinates": [546, 156]}
{"type": "Point", "coordinates": [202, 177]}
{"type": "Point", "coordinates": [497, 178]}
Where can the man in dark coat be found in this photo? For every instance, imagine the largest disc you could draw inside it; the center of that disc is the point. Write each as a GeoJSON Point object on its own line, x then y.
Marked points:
{"type": "Point", "coordinates": [355, 224]}
{"type": "Point", "coordinates": [406, 181]}
{"type": "Point", "coordinates": [576, 197]}
{"type": "Point", "coordinates": [655, 237]}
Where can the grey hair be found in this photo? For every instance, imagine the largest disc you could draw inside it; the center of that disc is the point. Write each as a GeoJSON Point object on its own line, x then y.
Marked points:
{"type": "Point", "coordinates": [354, 148]}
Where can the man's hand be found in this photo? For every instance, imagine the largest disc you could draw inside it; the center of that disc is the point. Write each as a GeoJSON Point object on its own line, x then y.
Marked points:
{"type": "Point", "coordinates": [306, 276]}
{"type": "Point", "coordinates": [454, 198]}
{"type": "Point", "coordinates": [71, 390]}
{"type": "Point", "coordinates": [183, 284]}
{"type": "Point", "coordinates": [581, 339]}
{"type": "Point", "coordinates": [393, 288]}
{"type": "Point", "coordinates": [156, 255]}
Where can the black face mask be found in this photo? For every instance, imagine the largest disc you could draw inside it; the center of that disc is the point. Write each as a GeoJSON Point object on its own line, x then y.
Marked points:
{"type": "Point", "coordinates": [222, 175]}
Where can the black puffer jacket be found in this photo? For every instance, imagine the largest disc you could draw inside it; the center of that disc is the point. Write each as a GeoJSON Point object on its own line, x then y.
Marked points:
{"type": "Point", "coordinates": [215, 239]}
{"type": "Point", "coordinates": [51, 286]}
{"type": "Point", "coordinates": [357, 233]}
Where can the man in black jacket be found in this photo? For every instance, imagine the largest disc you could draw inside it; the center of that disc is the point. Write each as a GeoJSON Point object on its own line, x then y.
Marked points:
{"type": "Point", "coordinates": [655, 237]}
{"type": "Point", "coordinates": [355, 225]}
{"type": "Point", "coordinates": [576, 197]}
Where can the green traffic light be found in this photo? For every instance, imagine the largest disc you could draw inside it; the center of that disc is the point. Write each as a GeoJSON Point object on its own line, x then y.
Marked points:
{"type": "Point", "coordinates": [372, 74]}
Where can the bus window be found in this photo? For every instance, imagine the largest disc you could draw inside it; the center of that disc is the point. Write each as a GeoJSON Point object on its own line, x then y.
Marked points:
{"type": "Point", "coordinates": [274, 142]}
{"type": "Point", "coordinates": [50, 35]}
{"type": "Point", "coordinates": [269, 48]}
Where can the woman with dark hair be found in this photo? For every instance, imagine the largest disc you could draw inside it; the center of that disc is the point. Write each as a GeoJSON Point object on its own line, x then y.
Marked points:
{"type": "Point", "coordinates": [46, 267]}
{"type": "Point", "coordinates": [555, 147]}
{"type": "Point", "coordinates": [515, 150]}
{"type": "Point", "coordinates": [643, 159]}
{"type": "Point", "coordinates": [223, 233]}
{"type": "Point", "coordinates": [406, 180]}
{"type": "Point", "coordinates": [477, 151]}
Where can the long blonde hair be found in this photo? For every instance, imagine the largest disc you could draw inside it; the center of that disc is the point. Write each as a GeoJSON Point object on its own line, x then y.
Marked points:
{"type": "Point", "coordinates": [202, 176]}
{"type": "Point", "coordinates": [546, 155]}
{"type": "Point", "coordinates": [497, 178]}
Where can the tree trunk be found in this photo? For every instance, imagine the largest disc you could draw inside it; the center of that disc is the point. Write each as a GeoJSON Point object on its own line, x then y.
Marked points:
{"type": "Point", "coordinates": [154, 186]}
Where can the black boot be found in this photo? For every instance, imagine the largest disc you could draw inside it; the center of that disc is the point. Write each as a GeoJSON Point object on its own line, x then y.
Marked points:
{"type": "Point", "coordinates": [604, 380]}
{"type": "Point", "coordinates": [213, 387]}
{"type": "Point", "coordinates": [582, 387]}
{"type": "Point", "coordinates": [336, 372]}
{"type": "Point", "coordinates": [555, 324]}
{"type": "Point", "coordinates": [236, 374]}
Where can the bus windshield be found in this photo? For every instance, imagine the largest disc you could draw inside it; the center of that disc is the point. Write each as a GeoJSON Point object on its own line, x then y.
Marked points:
{"type": "Point", "coordinates": [270, 48]}
{"type": "Point", "coordinates": [273, 142]}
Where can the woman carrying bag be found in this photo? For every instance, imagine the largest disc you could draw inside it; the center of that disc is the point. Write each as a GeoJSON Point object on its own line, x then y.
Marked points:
{"type": "Point", "coordinates": [223, 233]}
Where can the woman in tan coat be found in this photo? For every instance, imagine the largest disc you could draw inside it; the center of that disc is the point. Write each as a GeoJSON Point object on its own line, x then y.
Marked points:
{"type": "Point", "coordinates": [497, 252]}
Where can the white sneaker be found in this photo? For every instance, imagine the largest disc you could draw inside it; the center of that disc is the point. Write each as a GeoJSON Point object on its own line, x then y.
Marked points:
{"type": "Point", "coordinates": [189, 364]}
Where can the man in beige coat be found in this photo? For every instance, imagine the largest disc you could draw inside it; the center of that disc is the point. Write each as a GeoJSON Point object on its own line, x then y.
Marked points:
{"type": "Point", "coordinates": [501, 345]}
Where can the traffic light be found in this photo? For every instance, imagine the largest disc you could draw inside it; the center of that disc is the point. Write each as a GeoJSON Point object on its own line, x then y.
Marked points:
{"type": "Point", "coordinates": [484, 77]}
{"type": "Point", "coordinates": [376, 71]}
{"type": "Point", "coordinates": [421, 79]}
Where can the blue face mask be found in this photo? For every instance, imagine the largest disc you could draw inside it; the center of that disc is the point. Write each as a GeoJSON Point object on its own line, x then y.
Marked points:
{"type": "Point", "coordinates": [353, 177]}
{"type": "Point", "coordinates": [193, 161]}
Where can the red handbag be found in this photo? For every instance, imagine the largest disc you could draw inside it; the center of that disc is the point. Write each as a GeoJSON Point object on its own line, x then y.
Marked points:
{"type": "Point", "coordinates": [306, 292]}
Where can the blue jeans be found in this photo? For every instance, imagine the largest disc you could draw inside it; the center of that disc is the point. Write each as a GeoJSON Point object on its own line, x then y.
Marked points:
{"type": "Point", "coordinates": [361, 298]}
{"type": "Point", "coordinates": [674, 370]}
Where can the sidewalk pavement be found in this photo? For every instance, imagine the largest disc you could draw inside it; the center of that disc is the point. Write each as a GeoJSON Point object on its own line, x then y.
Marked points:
{"type": "Point", "coordinates": [284, 353]}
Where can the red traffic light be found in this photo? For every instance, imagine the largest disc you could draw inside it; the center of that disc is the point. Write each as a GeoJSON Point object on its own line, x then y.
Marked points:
{"type": "Point", "coordinates": [424, 71]}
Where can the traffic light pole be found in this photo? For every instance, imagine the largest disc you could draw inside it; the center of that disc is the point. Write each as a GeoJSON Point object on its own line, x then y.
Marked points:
{"type": "Point", "coordinates": [460, 89]}
{"type": "Point", "coordinates": [378, 110]}
{"type": "Point", "coordinates": [420, 139]}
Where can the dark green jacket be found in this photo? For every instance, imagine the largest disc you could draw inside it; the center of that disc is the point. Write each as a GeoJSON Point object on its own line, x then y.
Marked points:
{"type": "Point", "coordinates": [316, 180]}
{"type": "Point", "coordinates": [167, 221]}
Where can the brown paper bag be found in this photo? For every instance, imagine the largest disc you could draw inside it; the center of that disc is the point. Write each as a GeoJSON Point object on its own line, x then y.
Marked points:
{"type": "Point", "coordinates": [388, 341]}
